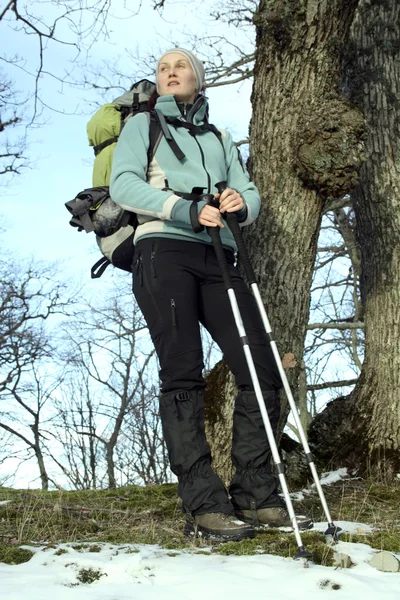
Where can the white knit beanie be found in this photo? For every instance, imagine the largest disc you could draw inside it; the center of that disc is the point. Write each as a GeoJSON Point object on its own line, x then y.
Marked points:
{"type": "Point", "coordinates": [196, 64]}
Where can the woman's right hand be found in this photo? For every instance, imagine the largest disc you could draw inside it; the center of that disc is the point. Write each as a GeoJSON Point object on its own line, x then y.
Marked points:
{"type": "Point", "coordinates": [210, 217]}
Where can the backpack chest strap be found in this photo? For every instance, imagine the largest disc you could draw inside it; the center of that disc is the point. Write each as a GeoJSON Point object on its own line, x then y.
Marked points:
{"type": "Point", "coordinates": [193, 130]}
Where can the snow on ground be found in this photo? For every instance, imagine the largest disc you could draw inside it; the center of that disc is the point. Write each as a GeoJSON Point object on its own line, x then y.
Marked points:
{"type": "Point", "coordinates": [347, 526]}
{"type": "Point", "coordinates": [151, 573]}
{"type": "Point", "coordinates": [140, 572]}
{"type": "Point", "coordinates": [325, 479]}
{"type": "Point", "coordinates": [333, 476]}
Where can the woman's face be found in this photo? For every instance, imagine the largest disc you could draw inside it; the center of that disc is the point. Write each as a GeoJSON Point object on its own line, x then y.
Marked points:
{"type": "Point", "coordinates": [175, 76]}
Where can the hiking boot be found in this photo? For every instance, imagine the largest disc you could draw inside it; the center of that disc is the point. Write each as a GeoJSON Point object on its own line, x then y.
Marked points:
{"type": "Point", "coordinates": [274, 516]}
{"type": "Point", "coordinates": [219, 527]}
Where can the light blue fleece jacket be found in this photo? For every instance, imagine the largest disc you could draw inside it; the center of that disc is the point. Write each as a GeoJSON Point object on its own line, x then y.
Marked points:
{"type": "Point", "coordinates": [163, 213]}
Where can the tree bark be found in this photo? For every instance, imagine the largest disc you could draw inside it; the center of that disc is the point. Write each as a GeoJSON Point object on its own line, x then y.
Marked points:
{"type": "Point", "coordinates": [305, 142]}
{"type": "Point", "coordinates": [370, 441]}
{"type": "Point", "coordinates": [219, 402]}
{"type": "Point", "coordinates": [42, 468]}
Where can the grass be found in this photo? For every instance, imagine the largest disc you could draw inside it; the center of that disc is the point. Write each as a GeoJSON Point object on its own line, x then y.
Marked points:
{"type": "Point", "coordinates": [13, 555]}
{"type": "Point", "coordinates": [273, 541]}
{"type": "Point", "coordinates": [89, 575]}
{"type": "Point", "coordinates": [152, 515]}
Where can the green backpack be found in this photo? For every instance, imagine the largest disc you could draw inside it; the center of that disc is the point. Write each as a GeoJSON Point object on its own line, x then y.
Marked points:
{"type": "Point", "coordinates": [93, 209]}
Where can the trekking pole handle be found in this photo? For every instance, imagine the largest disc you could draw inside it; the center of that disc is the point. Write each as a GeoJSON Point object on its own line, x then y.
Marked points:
{"type": "Point", "coordinates": [214, 234]}
{"type": "Point", "coordinates": [221, 186]}
{"type": "Point", "coordinates": [232, 220]}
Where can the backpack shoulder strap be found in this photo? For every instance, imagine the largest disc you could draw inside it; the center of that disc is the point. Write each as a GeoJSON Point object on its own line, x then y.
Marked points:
{"type": "Point", "coordinates": [168, 135]}
{"type": "Point", "coordinates": [218, 133]}
{"type": "Point", "coordinates": [155, 134]}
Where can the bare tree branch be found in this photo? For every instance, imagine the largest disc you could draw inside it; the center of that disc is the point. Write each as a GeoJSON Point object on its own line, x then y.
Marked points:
{"type": "Point", "coordinates": [332, 384]}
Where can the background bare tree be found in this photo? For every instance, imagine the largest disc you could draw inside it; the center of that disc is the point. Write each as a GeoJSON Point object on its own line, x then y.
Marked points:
{"type": "Point", "coordinates": [79, 455]}
{"type": "Point", "coordinates": [74, 24]}
{"type": "Point", "coordinates": [142, 453]}
{"type": "Point", "coordinates": [334, 347]}
{"type": "Point", "coordinates": [110, 347]}
{"type": "Point", "coordinates": [7, 452]}
{"type": "Point", "coordinates": [29, 296]}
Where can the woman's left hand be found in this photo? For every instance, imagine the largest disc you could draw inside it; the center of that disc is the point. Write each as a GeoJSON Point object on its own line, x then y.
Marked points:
{"type": "Point", "coordinates": [230, 201]}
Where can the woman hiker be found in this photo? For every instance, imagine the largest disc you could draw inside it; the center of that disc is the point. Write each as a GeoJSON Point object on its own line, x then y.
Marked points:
{"type": "Point", "coordinates": [178, 284]}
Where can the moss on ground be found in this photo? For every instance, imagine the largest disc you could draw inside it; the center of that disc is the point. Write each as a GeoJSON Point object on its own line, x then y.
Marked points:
{"type": "Point", "coordinates": [14, 555]}
{"type": "Point", "coordinates": [273, 541]}
{"type": "Point", "coordinates": [87, 547]}
{"type": "Point", "coordinates": [152, 515]}
{"type": "Point", "coordinates": [89, 575]}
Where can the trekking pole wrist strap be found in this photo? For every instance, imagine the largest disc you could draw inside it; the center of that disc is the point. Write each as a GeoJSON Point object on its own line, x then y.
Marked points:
{"type": "Point", "coordinates": [195, 197]}
{"type": "Point", "coordinates": [233, 224]}
{"type": "Point", "coordinates": [194, 217]}
{"type": "Point", "coordinates": [214, 234]}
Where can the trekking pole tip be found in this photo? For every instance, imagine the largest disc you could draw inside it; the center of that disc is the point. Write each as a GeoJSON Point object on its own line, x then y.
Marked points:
{"type": "Point", "coordinates": [333, 532]}
{"type": "Point", "coordinates": [303, 554]}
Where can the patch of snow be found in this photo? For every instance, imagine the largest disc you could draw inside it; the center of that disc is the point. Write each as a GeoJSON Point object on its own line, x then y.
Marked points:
{"type": "Point", "coordinates": [325, 479]}
{"type": "Point", "coordinates": [151, 573]}
{"type": "Point", "coordinates": [2, 502]}
{"type": "Point", "coordinates": [347, 526]}
{"type": "Point", "coordinates": [298, 496]}
{"type": "Point", "coordinates": [333, 476]}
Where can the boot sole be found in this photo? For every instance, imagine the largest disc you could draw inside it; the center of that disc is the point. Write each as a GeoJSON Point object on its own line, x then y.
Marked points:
{"type": "Point", "coordinates": [303, 525]}
{"type": "Point", "coordinates": [283, 528]}
{"type": "Point", "coordinates": [190, 530]}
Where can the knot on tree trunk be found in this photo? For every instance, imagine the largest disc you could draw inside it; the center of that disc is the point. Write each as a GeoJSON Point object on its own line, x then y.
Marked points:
{"type": "Point", "coordinates": [339, 437]}
{"type": "Point", "coordinates": [328, 433]}
{"type": "Point", "coordinates": [295, 462]}
{"type": "Point", "coordinates": [279, 22]}
{"type": "Point", "coordinates": [330, 146]}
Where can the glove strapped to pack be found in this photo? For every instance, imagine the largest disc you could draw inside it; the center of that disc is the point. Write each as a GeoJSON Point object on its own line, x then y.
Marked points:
{"type": "Point", "coordinates": [80, 206]}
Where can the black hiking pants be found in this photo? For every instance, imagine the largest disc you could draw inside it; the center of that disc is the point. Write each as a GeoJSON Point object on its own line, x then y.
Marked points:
{"type": "Point", "coordinates": [178, 284]}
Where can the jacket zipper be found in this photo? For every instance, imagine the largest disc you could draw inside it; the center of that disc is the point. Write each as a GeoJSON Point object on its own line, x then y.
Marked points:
{"type": "Point", "coordinates": [173, 311]}
{"type": "Point", "coordinates": [141, 270]}
{"type": "Point", "coordinates": [153, 262]}
{"type": "Point", "coordinates": [204, 166]}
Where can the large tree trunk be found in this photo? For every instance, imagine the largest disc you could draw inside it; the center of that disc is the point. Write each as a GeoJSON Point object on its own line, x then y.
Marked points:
{"type": "Point", "coordinates": [370, 440]}
{"type": "Point", "coordinates": [219, 400]}
{"type": "Point", "coordinates": [306, 145]}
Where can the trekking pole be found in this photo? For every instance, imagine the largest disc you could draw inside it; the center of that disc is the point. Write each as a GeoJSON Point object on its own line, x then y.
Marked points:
{"type": "Point", "coordinates": [213, 232]}
{"type": "Point", "coordinates": [233, 223]}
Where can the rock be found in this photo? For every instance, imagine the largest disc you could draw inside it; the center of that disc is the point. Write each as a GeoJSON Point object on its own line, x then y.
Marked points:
{"type": "Point", "coordinates": [385, 561]}
{"type": "Point", "coordinates": [342, 560]}
{"type": "Point", "coordinates": [361, 531]}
